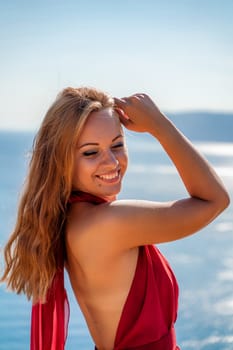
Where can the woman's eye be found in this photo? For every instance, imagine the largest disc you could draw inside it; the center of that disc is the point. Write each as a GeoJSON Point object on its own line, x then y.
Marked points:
{"type": "Point", "coordinates": [118, 145]}
{"type": "Point", "coordinates": [89, 153]}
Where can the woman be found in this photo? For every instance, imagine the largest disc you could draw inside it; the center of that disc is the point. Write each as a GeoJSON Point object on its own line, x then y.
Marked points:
{"type": "Point", "coordinates": [69, 215]}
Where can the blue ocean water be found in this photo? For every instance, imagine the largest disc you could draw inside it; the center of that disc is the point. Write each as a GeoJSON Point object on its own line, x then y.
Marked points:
{"type": "Point", "coordinates": [202, 263]}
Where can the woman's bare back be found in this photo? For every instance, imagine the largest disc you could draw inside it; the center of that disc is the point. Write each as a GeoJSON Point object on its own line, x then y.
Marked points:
{"type": "Point", "coordinates": [101, 283]}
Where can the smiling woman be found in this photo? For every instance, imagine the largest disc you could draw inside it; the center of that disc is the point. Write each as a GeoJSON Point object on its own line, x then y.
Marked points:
{"type": "Point", "coordinates": [101, 155]}
{"type": "Point", "coordinates": [69, 216]}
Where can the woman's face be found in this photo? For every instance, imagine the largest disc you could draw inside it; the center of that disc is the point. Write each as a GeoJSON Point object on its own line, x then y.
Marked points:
{"type": "Point", "coordinates": [101, 155]}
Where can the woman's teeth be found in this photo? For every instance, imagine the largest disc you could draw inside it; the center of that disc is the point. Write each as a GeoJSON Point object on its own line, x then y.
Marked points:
{"type": "Point", "coordinates": [109, 176]}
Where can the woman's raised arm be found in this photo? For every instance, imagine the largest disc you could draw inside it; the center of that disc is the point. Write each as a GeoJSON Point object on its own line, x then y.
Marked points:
{"type": "Point", "coordinates": [124, 224]}
{"type": "Point", "coordinates": [198, 176]}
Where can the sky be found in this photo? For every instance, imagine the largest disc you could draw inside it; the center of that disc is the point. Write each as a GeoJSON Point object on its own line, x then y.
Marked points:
{"type": "Point", "coordinates": [180, 52]}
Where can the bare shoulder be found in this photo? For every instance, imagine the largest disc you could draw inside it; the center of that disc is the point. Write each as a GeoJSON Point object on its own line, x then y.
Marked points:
{"type": "Point", "coordinates": [87, 231]}
{"type": "Point", "coordinates": [91, 237]}
{"type": "Point", "coordinates": [124, 224]}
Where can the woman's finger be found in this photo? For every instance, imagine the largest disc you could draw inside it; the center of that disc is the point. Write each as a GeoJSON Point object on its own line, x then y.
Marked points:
{"type": "Point", "coordinates": [121, 113]}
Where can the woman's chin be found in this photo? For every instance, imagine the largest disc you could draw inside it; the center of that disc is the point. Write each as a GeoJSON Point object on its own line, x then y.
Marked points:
{"type": "Point", "coordinates": [110, 195]}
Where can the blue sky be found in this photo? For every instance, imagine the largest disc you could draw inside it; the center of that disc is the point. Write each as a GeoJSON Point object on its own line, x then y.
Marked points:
{"type": "Point", "coordinates": [180, 52]}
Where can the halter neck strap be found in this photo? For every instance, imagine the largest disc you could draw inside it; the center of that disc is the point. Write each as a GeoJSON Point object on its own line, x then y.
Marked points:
{"type": "Point", "coordinates": [79, 196]}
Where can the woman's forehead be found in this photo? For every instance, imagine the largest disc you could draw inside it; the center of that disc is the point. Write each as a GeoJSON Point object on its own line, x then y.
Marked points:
{"type": "Point", "coordinates": [101, 124]}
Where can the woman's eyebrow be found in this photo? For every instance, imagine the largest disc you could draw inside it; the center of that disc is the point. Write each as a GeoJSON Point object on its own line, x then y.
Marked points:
{"type": "Point", "coordinates": [96, 143]}
{"type": "Point", "coordinates": [117, 137]}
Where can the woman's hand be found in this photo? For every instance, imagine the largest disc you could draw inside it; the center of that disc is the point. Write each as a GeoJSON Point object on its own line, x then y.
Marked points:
{"type": "Point", "coordinates": [138, 113]}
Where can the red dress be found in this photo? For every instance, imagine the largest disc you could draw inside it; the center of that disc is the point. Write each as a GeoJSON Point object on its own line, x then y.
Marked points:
{"type": "Point", "coordinates": [150, 310]}
{"type": "Point", "coordinates": [148, 316]}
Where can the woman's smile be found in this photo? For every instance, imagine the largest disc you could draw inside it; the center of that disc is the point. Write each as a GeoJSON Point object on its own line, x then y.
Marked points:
{"type": "Point", "coordinates": [111, 177]}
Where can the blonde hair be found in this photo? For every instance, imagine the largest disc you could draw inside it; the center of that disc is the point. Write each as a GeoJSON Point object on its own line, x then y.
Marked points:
{"type": "Point", "coordinates": [31, 252]}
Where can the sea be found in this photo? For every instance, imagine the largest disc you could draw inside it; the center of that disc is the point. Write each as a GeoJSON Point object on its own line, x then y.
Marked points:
{"type": "Point", "coordinates": [203, 263]}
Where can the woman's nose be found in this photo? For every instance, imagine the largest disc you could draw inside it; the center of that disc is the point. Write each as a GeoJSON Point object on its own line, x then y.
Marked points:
{"type": "Point", "coordinates": [109, 159]}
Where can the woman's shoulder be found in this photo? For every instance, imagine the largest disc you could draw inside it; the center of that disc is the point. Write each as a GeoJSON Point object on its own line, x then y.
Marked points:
{"type": "Point", "coordinates": [112, 226]}
{"type": "Point", "coordinates": [85, 229]}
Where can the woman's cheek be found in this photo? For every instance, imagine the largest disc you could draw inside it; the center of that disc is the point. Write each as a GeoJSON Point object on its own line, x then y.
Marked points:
{"type": "Point", "coordinates": [88, 164]}
{"type": "Point", "coordinates": [124, 160]}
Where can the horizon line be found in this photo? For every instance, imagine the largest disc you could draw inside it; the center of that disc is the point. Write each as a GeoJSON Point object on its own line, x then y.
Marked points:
{"type": "Point", "coordinates": [188, 112]}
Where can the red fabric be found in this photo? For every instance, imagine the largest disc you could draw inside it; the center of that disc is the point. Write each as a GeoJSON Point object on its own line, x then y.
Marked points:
{"type": "Point", "coordinates": [148, 317]}
{"type": "Point", "coordinates": [49, 321]}
{"type": "Point", "coordinates": [78, 196]}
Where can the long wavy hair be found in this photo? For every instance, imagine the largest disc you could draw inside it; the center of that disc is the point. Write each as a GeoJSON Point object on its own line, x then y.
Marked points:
{"type": "Point", "coordinates": [31, 253]}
